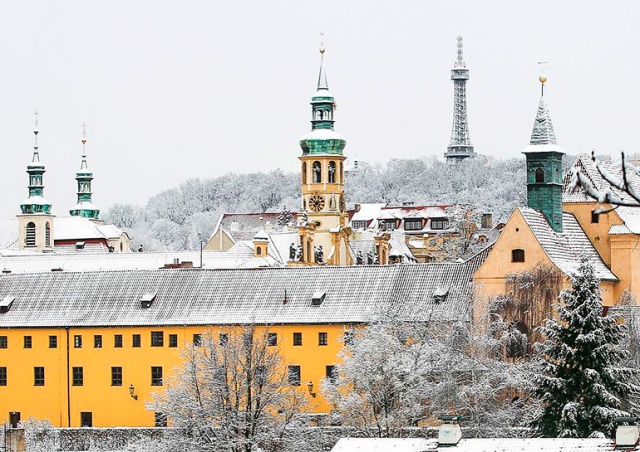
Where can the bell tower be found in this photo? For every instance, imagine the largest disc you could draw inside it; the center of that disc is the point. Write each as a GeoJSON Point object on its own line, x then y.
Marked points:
{"type": "Point", "coordinates": [323, 224]}
{"type": "Point", "coordinates": [84, 207]}
{"type": "Point", "coordinates": [36, 222]}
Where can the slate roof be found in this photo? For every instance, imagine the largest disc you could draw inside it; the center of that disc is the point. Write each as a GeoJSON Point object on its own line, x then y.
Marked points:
{"type": "Point", "coordinates": [354, 294]}
{"type": "Point", "coordinates": [567, 248]}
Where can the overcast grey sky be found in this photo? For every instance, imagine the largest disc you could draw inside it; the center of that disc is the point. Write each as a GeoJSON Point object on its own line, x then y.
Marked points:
{"type": "Point", "coordinates": [177, 89]}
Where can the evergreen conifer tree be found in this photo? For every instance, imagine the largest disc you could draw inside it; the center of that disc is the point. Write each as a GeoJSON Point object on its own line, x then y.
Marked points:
{"type": "Point", "coordinates": [583, 383]}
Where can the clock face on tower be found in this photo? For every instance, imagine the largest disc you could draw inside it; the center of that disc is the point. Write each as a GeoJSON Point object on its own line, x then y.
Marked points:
{"type": "Point", "coordinates": [316, 203]}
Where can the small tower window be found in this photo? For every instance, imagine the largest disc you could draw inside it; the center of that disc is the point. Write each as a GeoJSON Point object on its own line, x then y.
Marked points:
{"type": "Point", "coordinates": [517, 255]}
{"type": "Point", "coordinates": [332, 172]}
{"type": "Point", "coordinates": [30, 238]}
{"type": "Point", "coordinates": [304, 172]}
{"type": "Point", "coordinates": [258, 251]}
{"type": "Point", "coordinates": [595, 216]}
{"type": "Point", "coordinates": [47, 234]}
{"type": "Point", "coordinates": [317, 172]}
{"type": "Point", "coordinates": [539, 175]}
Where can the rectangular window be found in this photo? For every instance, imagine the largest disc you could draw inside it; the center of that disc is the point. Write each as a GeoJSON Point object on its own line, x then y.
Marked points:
{"type": "Point", "coordinates": [331, 374]}
{"type": "Point", "coordinates": [3, 376]}
{"type": "Point", "coordinates": [53, 341]}
{"type": "Point", "coordinates": [197, 340]}
{"type": "Point", "coordinates": [412, 225]}
{"type": "Point", "coordinates": [97, 341]}
{"type": "Point", "coordinates": [156, 375]}
{"type": "Point", "coordinates": [86, 419]}
{"type": "Point", "coordinates": [117, 340]}
{"type": "Point", "coordinates": [389, 225]}
{"type": "Point", "coordinates": [116, 376]}
{"type": "Point", "coordinates": [77, 341]}
{"type": "Point", "coordinates": [161, 419]}
{"type": "Point", "coordinates": [517, 255]}
{"type": "Point", "coordinates": [439, 224]}
{"type": "Point", "coordinates": [322, 338]}
{"type": "Point", "coordinates": [27, 342]}
{"type": "Point", "coordinates": [293, 375]}
{"type": "Point", "coordinates": [78, 376]}
{"type": "Point", "coordinates": [359, 224]}
{"type": "Point", "coordinates": [297, 339]}
{"type": "Point", "coordinates": [223, 339]}
{"type": "Point", "coordinates": [136, 340]}
{"type": "Point", "coordinates": [38, 376]}
{"type": "Point", "coordinates": [272, 339]}
{"type": "Point", "coordinates": [595, 217]}
{"type": "Point", "coordinates": [157, 338]}
{"type": "Point", "coordinates": [4, 342]}
{"type": "Point", "coordinates": [173, 340]}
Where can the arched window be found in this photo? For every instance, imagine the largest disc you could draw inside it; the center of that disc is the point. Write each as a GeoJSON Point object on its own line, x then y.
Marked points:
{"type": "Point", "coordinates": [332, 172]}
{"type": "Point", "coordinates": [517, 255]}
{"type": "Point", "coordinates": [317, 172]}
{"type": "Point", "coordinates": [304, 172]}
{"type": "Point", "coordinates": [121, 247]}
{"type": "Point", "coordinates": [47, 234]}
{"type": "Point", "coordinates": [539, 175]}
{"type": "Point", "coordinates": [259, 251]}
{"type": "Point", "coordinates": [340, 173]}
{"type": "Point", "coordinates": [30, 237]}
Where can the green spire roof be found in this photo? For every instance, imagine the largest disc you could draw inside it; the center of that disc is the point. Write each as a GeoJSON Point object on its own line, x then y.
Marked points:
{"type": "Point", "coordinates": [84, 207]}
{"type": "Point", "coordinates": [35, 203]}
{"type": "Point", "coordinates": [322, 139]}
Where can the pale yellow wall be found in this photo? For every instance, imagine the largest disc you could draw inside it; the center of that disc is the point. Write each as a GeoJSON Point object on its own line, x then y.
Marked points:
{"type": "Point", "coordinates": [112, 405]}
{"type": "Point", "coordinates": [220, 241]}
{"type": "Point", "coordinates": [625, 263]}
{"type": "Point", "coordinates": [598, 233]}
{"type": "Point", "coordinates": [40, 221]}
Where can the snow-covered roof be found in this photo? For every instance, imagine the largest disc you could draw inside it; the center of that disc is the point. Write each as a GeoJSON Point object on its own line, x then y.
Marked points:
{"type": "Point", "coordinates": [9, 234]}
{"type": "Point", "coordinates": [70, 259]}
{"type": "Point", "coordinates": [628, 214]}
{"type": "Point", "coordinates": [36, 201]}
{"type": "Point", "coordinates": [367, 212]}
{"type": "Point", "coordinates": [478, 445]}
{"type": "Point", "coordinates": [84, 205]}
{"type": "Point", "coordinates": [322, 134]}
{"type": "Point", "coordinates": [385, 445]}
{"type": "Point", "coordinates": [355, 294]}
{"type": "Point", "coordinates": [110, 231]}
{"type": "Point", "coordinates": [566, 249]}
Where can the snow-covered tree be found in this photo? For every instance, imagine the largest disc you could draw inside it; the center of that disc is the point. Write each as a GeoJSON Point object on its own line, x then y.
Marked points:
{"type": "Point", "coordinates": [583, 381]}
{"type": "Point", "coordinates": [233, 393]}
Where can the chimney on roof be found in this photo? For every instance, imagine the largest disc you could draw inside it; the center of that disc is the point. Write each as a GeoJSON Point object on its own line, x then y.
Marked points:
{"type": "Point", "coordinates": [486, 221]}
{"type": "Point", "coordinates": [627, 434]}
{"type": "Point", "coordinates": [449, 433]}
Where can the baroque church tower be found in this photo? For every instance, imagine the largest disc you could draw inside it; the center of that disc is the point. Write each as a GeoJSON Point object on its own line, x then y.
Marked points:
{"type": "Point", "coordinates": [35, 221]}
{"type": "Point", "coordinates": [544, 166]}
{"type": "Point", "coordinates": [84, 208]}
{"type": "Point", "coordinates": [323, 225]}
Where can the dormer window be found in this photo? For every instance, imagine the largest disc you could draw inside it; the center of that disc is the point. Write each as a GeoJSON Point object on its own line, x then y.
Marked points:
{"type": "Point", "coordinates": [6, 303]}
{"type": "Point", "coordinates": [539, 175]}
{"type": "Point", "coordinates": [317, 298]}
{"type": "Point", "coordinates": [359, 224]}
{"type": "Point", "coordinates": [439, 223]}
{"type": "Point", "coordinates": [517, 255]}
{"type": "Point", "coordinates": [412, 224]}
{"type": "Point", "coordinates": [80, 245]}
{"type": "Point", "coordinates": [147, 299]}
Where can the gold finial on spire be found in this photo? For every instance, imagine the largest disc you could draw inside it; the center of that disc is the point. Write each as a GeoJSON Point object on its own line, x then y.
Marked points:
{"type": "Point", "coordinates": [542, 77]}
{"type": "Point", "coordinates": [84, 135]}
{"type": "Point", "coordinates": [322, 49]}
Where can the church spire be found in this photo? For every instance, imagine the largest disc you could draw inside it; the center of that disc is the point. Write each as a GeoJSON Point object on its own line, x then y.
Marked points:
{"type": "Point", "coordinates": [84, 207]}
{"type": "Point", "coordinates": [322, 75]}
{"type": "Point", "coordinates": [35, 203]}
{"type": "Point", "coordinates": [543, 133]}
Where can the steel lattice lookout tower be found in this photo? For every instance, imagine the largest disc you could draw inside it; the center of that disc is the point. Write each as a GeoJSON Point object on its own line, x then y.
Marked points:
{"type": "Point", "coordinates": [460, 146]}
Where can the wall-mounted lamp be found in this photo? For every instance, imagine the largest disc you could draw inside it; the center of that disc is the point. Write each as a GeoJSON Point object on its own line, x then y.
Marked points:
{"type": "Point", "coordinates": [132, 391]}
{"type": "Point", "coordinates": [310, 387]}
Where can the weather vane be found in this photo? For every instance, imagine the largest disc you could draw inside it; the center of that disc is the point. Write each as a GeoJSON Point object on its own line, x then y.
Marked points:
{"type": "Point", "coordinates": [322, 42]}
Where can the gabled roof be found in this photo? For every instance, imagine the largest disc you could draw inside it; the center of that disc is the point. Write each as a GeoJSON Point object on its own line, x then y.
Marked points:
{"type": "Point", "coordinates": [354, 294]}
{"type": "Point", "coordinates": [628, 214]}
{"type": "Point", "coordinates": [565, 249]}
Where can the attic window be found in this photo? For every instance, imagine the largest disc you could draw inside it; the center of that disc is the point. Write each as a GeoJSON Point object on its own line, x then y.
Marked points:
{"type": "Point", "coordinates": [80, 245]}
{"type": "Point", "coordinates": [147, 299]}
{"type": "Point", "coordinates": [6, 303]}
{"type": "Point", "coordinates": [517, 255]}
{"type": "Point", "coordinates": [440, 294]}
{"type": "Point", "coordinates": [317, 298]}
